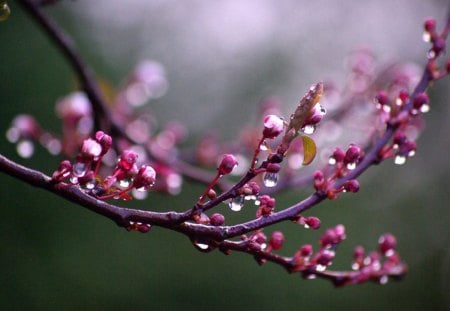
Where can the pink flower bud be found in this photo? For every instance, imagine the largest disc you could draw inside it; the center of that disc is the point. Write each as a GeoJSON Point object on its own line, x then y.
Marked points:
{"type": "Point", "coordinates": [387, 243]}
{"type": "Point", "coordinates": [353, 154]}
{"type": "Point", "coordinates": [338, 155]}
{"type": "Point", "coordinates": [325, 257]}
{"type": "Point", "coordinates": [333, 236]}
{"type": "Point", "coordinates": [382, 98]}
{"type": "Point", "coordinates": [104, 140]}
{"type": "Point", "coordinates": [90, 149]}
{"type": "Point", "coordinates": [316, 115]}
{"type": "Point", "coordinates": [217, 219]}
{"type": "Point", "coordinates": [430, 25]}
{"type": "Point", "coordinates": [127, 159]}
{"type": "Point", "coordinates": [145, 177]}
{"type": "Point", "coordinates": [273, 126]}
{"type": "Point", "coordinates": [306, 250]}
{"type": "Point", "coordinates": [227, 164]}
{"type": "Point", "coordinates": [273, 167]}
{"type": "Point", "coordinates": [351, 185]}
{"type": "Point", "coordinates": [312, 222]}
{"type": "Point", "coordinates": [399, 138]}
{"type": "Point", "coordinates": [276, 240]}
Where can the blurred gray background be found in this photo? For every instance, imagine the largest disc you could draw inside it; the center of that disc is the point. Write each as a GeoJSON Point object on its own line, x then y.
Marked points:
{"type": "Point", "coordinates": [221, 58]}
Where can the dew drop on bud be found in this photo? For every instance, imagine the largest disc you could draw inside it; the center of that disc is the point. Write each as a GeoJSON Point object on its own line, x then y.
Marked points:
{"type": "Point", "coordinates": [351, 166]}
{"type": "Point", "coordinates": [355, 266]}
{"type": "Point", "coordinates": [263, 147]}
{"type": "Point", "coordinates": [426, 36]}
{"type": "Point", "coordinates": [270, 179]}
{"type": "Point", "coordinates": [331, 161]}
{"type": "Point", "coordinates": [309, 129]}
{"type": "Point", "coordinates": [321, 268]}
{"type": "Point", "coordinates": [400, 160]}
{"type": "Point", "coordinates": [425, 108]}
{"type": "Point", "coordinates": [236, 203]}
{"type": "Point", "coordinates": [311, 277]}
{"type": "Point", "coordinates": [431, 54]}
{"type": "Point", "coordinates": [25, 149]}
{"type": "Point", "coordinates": [79, 169]}
{"type": "Point", "coordinates": [124, 183]}
{"type": "Point", "coordinates": [201, 246]}
{"type": "Point", "coordinates": [74, 180]}
{"type": "Point", "coordinates": [89, 185]}
{"type": "Point", "coordinates": [383, 280]}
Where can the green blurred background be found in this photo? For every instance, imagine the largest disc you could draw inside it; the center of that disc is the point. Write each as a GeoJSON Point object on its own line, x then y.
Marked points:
{"type": "Point", "coordinates": [57, 255]}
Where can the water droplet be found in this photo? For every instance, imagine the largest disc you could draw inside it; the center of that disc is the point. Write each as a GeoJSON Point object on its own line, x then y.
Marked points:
{"type": "Point", "coordinates": [201, 246]}
{"type": "Point", "coordinates": [311, 277]}
{"type": "Point", "coordinates": [426, 36]}
{"type": "Point", "coordinates": [257, 202]}
{"type": "Point", "coordinates": [263, 147]}
{"type": "Point", "coordinates": [4, 12]}
{"type": "Point", "coordinates": [270, 179]}
{"type": "Point", "coordinates": [13, 135]}
{"type": "Point", "coordinates": [384, 279]}
{"type": "Point", "coordinates": [309, 129]}
{"type": "Point", "coordinates": [389, 253]}
{"type": "Point", "coordinates": [386, 108]}
{"type": "Point", "coordinates": [79, 169]}
{"type": "Point", "coordinates": [139, 195]}
{"type": "Point", "coordinates": [124, 183]}
{"type": "Point", "coordinates": [90, 185]}
{"type": "Point", "coordinates": [74, 180]}
{"type": "Point", "coordinates": [236, 203]}
{"type": "Point", "coordinates": [142, 189]}
{"type": "Point", "coordinates": [411, 153]}
{"type": "Point", "coordinates": [400, 160]}
{"type": "Point", "coordinates": [25, 149]}
{"type": "Point", "coordinates": [355, 266]}
{"type": "Point", "coordinates": [331, 161]}
{"type": "Point", "coordinates": [431, 54]}
{"type": "Point", "coordinates": [321, 268]}
{"type": "Point", "coordinates": [263, 246]}
{"type": "Point", "coordinates": [351, 166]}
{"type": "Point", "coordinates": [425, 108]}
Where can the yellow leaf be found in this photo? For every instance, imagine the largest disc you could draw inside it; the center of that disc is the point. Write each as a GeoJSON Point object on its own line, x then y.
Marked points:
{"type": "Point", "coordinates": [309, 149]}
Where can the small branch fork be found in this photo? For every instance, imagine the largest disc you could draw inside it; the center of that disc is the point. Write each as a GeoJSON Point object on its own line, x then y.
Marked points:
{"type": "Point", "coordinates": [204, 234]}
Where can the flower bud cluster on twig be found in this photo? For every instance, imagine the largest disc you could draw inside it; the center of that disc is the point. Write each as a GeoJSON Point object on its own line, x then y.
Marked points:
{"type": "Point", "coordinates": [120, 153]}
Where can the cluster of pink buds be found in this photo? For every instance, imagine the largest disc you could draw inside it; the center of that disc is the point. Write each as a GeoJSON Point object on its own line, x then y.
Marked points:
{"type": "Point", "coordinates": [430, 35]}
{"type": "Point", "coordinates": [307, 261]}
{"type": "Point", "coordinates": [266, 206]}
{"type": "Point", "coordinates": [402, 147]}
{"type": "Point", "coordinates": [377, 265]}
{"type": "Point", "coordinates": [309, 222]}
{"type": "Point", "coordinates": [343, 163]}
{"type": "Point", "coordinates": [125, 177]}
